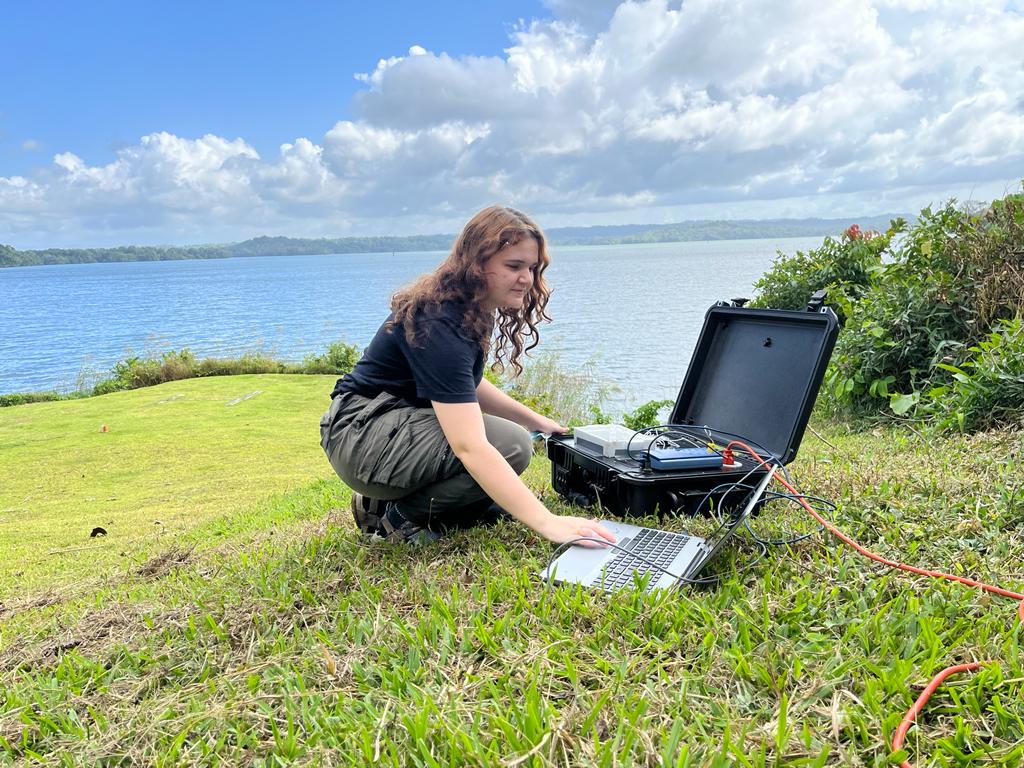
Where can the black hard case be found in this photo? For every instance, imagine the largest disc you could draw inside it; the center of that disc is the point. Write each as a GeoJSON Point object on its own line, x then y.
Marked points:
{"type": "Point", "coordinates": [754, 373]}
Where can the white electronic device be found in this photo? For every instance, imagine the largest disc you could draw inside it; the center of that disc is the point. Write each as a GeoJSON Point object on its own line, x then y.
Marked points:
{"type": "Point", "coordinates": [612, 440]}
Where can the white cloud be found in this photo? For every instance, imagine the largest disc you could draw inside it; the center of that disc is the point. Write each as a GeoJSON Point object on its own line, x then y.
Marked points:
{"type": "Point", "coordinates": [31, 145]}
{"type": "Point", "coordinates": [641, 111]}
{"type": "Point", "coordinates": [591, 15]}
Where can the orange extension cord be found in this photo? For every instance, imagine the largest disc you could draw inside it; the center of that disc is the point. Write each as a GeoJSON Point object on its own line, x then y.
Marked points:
{"type": "Point", "coordinates": [908, 719]}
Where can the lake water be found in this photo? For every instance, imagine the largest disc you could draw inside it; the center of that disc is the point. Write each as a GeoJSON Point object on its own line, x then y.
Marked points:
{"type": "Point", "coordinates": [633, 311]}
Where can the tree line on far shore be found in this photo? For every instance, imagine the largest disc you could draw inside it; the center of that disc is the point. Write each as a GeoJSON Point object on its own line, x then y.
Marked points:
{"type": "Point", "coordinates": [626, 234]}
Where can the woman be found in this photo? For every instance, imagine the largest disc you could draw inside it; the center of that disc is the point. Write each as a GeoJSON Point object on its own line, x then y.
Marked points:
{"type": "Point", "coordinates": [416, 426]}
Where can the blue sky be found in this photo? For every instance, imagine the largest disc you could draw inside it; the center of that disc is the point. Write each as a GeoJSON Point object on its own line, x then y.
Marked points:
{"type": "Point", "coordinates": [94, 77]}
{"type": "Point", "coordinates": [185, 123]}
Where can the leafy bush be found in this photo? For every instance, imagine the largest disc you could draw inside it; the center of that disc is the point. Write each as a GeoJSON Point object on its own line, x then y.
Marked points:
{"type": "Point", "coordinates": [989, 249]}
{"type": "Point", "coordinates": [845, 266]}
{"type": "Point", "coordinates": [987, 389]}
{"type": "Point", "coordinates": [340, 358]}
{"type": "Point", "coordinates": [250, 362]}
{"type": "Point", "coordinates": [646, 415]}
{"type": "Point", "coordinates": [918, 307]}
{"type": "Point", "coordinates": [929, 307]}
{"type": "Point", "coordinates": [107, 386]}
{"type": "Point", "coordinates": [22, 398]}
{"type": "Point", "coordinates": [918, 314]}
{"type": "Point", "coordinates": [173, 365]}
{"type": "Point", "coordinates": [136, 372]}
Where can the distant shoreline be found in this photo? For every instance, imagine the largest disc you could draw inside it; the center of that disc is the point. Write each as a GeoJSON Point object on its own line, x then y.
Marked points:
{"type": "Point", "coordinates": [628, 234]}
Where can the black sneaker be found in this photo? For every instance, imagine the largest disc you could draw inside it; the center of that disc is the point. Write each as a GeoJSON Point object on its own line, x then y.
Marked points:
{"type": "Point", "coordinates": [394, 528]}
{"type": "Point", "coordinates": [366, 512]}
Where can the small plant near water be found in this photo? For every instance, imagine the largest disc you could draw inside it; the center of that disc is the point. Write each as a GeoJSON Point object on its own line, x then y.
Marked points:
{"type": "Point", "coordinates": [340, 358]}
{"type": "Point", "coordinates": [646, 415]}
{"type": "Point", "coordinates": [572, 396]}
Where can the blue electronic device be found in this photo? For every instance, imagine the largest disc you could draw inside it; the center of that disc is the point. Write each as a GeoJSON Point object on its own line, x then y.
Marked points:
{"type": "Point", "coordinates": [685, 458]}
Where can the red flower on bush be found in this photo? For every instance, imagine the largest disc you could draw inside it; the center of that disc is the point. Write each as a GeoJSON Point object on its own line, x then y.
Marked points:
{"type": "Point", "coordinates": [854, 232]}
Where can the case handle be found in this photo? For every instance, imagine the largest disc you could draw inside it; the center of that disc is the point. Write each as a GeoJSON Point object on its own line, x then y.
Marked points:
{"type": "Point", "coordinates": [817, 301]}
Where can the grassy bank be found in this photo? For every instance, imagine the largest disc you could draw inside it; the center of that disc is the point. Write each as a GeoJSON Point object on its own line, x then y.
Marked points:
{"type": "Point", "coordinates": [257, 628]}
{"type": "Point", "coordinates": [183, 456]}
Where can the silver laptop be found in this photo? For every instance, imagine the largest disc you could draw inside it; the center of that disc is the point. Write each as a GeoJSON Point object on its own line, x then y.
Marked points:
{"type": "Point", "coordinates": [681, 554]}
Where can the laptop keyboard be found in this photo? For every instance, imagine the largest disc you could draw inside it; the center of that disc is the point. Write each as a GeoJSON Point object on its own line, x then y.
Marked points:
{"type": "Point", "coordinates": [659, 547]}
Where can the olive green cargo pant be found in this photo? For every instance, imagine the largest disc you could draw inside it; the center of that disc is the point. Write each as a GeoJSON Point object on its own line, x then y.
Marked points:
{"type": "Point", "coordinates": [386, 448]}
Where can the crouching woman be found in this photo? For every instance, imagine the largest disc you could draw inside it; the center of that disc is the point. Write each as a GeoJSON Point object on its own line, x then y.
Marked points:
{"type": "Point", "coordinates": [424, 440]}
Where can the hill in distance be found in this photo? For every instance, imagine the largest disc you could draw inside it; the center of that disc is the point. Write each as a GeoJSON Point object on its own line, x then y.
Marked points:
{"type": "Point", "coordinates": [625, 234]}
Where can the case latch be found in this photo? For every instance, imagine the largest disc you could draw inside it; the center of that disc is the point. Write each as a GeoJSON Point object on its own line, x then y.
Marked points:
{"type": "Point", "coordinates": [817, 301]}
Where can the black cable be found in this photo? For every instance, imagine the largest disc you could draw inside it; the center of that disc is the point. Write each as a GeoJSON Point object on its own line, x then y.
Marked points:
{"type": "Point", "coordinates": [769, 496]}
{"type": "Point", "coordinates": [732, 487]}
{"type": "Point", "coordinates": [657, 436]}
{"type": "Point", "coordinates": [795, 538]}
{"type": "Point", "coordinates": [711, 431]}
{"type": "Point", "coordinates": [629, 443]}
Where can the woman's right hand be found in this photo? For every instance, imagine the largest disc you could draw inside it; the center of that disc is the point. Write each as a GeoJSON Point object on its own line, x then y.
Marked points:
{"type": "Point", "coordinates": [565, 528]}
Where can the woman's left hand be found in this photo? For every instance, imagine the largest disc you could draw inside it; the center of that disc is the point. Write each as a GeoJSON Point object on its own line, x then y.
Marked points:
{"type": "Point", "coordinates": [548, 426]}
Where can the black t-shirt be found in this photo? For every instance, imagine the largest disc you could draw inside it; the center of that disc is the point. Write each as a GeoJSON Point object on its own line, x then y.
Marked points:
{"type": "Point", "coordinates": [446, 366]}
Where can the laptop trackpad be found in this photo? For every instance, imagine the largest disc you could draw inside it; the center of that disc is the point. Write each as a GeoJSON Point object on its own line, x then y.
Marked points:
{"type": "Point", "coordinates": [577, 562]}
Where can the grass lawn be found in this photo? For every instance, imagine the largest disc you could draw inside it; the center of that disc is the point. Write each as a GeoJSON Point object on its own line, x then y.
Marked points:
{"type": "Point", "coordinates": [253, 626]}
{"type": "Point", "coordinates": [176, 466]}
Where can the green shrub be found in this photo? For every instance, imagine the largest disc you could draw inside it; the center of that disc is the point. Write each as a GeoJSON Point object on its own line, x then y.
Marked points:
{"type": "Point", "coordinates": [918, 304]}
{"type": "Point", "coordinates": [646, 415]}
{"type": "Point", "coordinates": [918, 315]}
{"type": "Point", "coordinates": [340, 358]}
{"type": "Point", "coordinates": [22, 398]}
{"type": "Point", "coordinates": [845, 266]}
{"type": "Point", "coordinates": [176, 365]}
{"type": "Point", "coordinates": [989, 249]}
{"type": "Point", "coordinates": [135, 372]}
{"type": "Point", "coordinates": [926, 309]}
{"type": "Point", "coordinates": [107, 386]}
{"type": "Point", "coordinates": [987, 389]}
{"type": "Point", "coordinates": [250, 362]}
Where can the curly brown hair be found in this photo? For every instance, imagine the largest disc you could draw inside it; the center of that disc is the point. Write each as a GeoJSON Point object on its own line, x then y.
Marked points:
{"type": "Point", "coordinates": [460, 277]}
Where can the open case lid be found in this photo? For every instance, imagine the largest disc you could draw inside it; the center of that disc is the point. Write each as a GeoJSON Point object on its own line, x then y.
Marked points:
{"type": "Point", "coordinates": [756, 373]}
